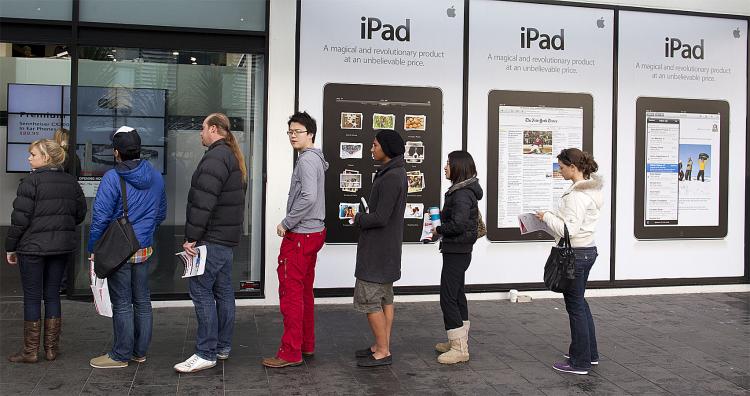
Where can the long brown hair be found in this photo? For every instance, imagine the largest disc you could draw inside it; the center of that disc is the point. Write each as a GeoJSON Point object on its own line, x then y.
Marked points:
{"type": "Point", "coordinates": [221, 121]}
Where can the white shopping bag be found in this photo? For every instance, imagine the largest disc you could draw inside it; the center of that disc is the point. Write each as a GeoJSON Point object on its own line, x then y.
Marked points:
{"type": "Point", "coordinates": [100, 290]}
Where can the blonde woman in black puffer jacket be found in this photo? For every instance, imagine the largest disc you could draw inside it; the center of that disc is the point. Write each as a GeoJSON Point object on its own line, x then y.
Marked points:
{"type": "Point", "coordinates": [48, 206]}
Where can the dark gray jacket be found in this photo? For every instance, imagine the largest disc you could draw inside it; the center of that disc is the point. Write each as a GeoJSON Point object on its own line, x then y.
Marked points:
{"type": "Point", "coordinates": [382, 230]}
{"type": "Point", "coordinates": [306, 204]}
{"type": "Point", "coordinates": [459, 217]}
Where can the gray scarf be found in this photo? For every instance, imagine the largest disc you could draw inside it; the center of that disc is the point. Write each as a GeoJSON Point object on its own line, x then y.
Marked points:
{"type": "Point", "coordinates": [460, 185]}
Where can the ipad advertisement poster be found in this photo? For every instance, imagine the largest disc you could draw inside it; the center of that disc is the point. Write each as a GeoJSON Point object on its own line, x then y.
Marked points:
{"type": "Point", "coordinates": [682, 123]}
{"type": "Point", "coordinates": [381, 65]}
{"type": "Point", "coordinates": [540, 80]}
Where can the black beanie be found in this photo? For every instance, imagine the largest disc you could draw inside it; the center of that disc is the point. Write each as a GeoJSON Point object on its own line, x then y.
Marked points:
{"type": "Point", "coordinates": [391, 142]}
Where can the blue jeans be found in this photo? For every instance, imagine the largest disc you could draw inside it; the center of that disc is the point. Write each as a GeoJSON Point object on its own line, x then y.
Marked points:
{"type": "Point", "coordinates": [213, 296]}
{"type": "Point", "coordinates": [131, 311]}
{"type": "Point", "coordinates": [40, 277]}
{"type": "Point", "coordinates": [582, 333]}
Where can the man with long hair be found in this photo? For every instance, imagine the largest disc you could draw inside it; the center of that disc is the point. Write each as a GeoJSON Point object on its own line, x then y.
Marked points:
{"type": "Point", "coordinates": [215, 211]}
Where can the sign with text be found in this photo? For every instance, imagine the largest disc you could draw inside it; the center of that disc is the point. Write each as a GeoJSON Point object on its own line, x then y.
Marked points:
{"type": "Point", "coordinates": [381, 65]}
{"type": "Point", "coordinates": [540, 80]}
{"type": "Point", "coordinates": [681, 118]}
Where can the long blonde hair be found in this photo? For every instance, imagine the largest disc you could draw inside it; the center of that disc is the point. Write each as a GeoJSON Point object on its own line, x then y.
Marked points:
{"type": "Point", "coordinates": [221, 121]}
{"type": "Point", "coordinates": [51, 151]}
{"type": "Point", "coordinates": [62, 137]}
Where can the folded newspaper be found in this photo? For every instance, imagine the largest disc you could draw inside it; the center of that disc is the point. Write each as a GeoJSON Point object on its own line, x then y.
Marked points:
{"type": "Point", "coordinates": [194, 265]}
{"type": "Point", "coordinates": [427, 226]}
{"type": "Point", "coordinates": [528, 222]}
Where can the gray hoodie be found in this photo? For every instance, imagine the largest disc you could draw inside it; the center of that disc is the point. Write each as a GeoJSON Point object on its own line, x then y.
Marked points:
{"type": "Point", "coordinates": [306, 205]}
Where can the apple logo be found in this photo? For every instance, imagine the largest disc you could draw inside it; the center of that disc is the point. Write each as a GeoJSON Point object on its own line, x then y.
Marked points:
{"type": "Point", "coordinates": [600, 23]}
{"type": "Point", "coordinates": [451, 12]}
{"type": "Point", "coordinates": [736, 33]}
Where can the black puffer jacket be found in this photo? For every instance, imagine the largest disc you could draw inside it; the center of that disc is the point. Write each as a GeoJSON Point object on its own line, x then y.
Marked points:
{"type": "Point", "coordinates": [216, 201]}
{"type": "Point", "coordinates": [458, 218]}
{"type": "Point", "coordinates": [48, 206]}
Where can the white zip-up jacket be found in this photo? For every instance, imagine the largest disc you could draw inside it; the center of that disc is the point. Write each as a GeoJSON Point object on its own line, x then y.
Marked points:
{"type": "Point", "coordinates": [579, 210]}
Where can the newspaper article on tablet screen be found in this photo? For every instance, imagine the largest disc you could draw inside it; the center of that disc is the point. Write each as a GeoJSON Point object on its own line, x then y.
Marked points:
{"type": "Point", "coordinates": [682, 186]}
{"type": "Point", "coordinates": [528, 175]}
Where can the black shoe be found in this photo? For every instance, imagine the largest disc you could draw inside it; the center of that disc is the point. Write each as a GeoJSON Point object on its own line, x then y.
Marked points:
{"type": "Point", "coordinates": [370, 361]}
{"type": "Point", "coordinates": [363, 353]}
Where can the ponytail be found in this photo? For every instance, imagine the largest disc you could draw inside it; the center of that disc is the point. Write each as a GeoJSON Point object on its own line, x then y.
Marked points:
{"type": "Point", "coordinates": [62, 137]}
{"type": "Point", "coordinates": [232, 141]}
{"type": "Point", "coordinates": [221, 121]}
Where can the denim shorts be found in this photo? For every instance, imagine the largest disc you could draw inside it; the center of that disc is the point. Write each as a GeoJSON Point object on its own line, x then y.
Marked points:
{"type": "Point", "coordinates": [369, 297]}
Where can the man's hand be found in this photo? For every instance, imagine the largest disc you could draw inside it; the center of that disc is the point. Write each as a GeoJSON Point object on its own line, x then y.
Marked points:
{"type": "Point", "coordinates": [280, 230]}
{"type": "Point", "coordinates": [540, 215]}
{"type": "Point", "coordinates": [190, 248]}
{"type": "Point", "coordinates": [91, 257]}
{"type": "Point", "coordinates": [11, 258]}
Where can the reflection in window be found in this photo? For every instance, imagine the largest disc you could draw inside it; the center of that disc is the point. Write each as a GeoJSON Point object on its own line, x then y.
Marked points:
{"type": "Point", "coordinates": [165, 95]}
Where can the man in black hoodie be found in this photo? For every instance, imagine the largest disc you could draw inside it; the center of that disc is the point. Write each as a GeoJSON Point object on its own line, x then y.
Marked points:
{"type": "Point", "coordinates": [379, 246]}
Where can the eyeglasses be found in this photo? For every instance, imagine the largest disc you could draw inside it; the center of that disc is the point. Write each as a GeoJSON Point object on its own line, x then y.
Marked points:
{"type": "Point", "coordinates": [295, 132]}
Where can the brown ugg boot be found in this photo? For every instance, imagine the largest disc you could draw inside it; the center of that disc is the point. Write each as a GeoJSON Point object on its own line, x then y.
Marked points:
{"type": "Point", "coordinates": [52, 328]}
{"type": "Point", "coordinates": [444, 347]}
{"type": "Point", "coordinates": [459, 340]}
{"type": "Point", "coordinates": [31, 333]}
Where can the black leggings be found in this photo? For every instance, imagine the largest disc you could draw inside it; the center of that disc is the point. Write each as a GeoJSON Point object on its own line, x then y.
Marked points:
{"type": "Point", "coordinates": [452, 294]}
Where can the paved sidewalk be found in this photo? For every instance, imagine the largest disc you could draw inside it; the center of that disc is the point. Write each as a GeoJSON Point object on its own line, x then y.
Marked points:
{"type": "Point", "coordinates": [669, 344]}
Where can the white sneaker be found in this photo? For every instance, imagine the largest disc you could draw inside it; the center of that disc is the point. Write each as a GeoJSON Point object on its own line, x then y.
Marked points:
{"type": "Point", "coordinates": [193, 364]}
{"type": "Point", "coordinates": [593, 362]}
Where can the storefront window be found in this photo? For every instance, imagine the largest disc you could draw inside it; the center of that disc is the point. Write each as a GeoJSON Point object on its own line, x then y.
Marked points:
{"type": "Point", "coordinates": [249, 15]}
{"type": "Point", "coordinates": [24, 67]}
{"type": "Point", "coordinates": [165, 95]}
{"type": "Point", "coordinates": [59, 10]}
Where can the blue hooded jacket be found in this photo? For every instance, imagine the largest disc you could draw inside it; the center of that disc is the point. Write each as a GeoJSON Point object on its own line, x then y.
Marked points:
{"type": "Point", "coordinates": [147, 201]}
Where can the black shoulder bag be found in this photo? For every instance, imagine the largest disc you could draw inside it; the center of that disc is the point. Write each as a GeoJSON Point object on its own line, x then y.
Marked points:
{"type": "Point", "coordinates": [117, 244]}
{"type": "Point", "coordinates": [560, 270]}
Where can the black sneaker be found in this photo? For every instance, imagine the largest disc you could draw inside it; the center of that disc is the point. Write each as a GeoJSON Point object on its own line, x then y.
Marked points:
{"type": "Point", "coordinates": [567, 368]}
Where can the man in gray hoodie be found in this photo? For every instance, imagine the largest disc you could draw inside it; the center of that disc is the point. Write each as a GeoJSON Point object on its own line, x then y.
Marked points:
{"type": "Point", "coordinates": [303, 232]}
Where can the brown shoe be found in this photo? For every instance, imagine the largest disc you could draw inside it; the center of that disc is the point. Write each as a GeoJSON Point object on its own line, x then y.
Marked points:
{"type": "Point", "coordinates": [308, 354]}
{"type": "Point", "coordinates": [29, 354]}
{"type": "Point", "coordinates": [52, 328]}
{"type": "Point", "coordinates": [275, 362]}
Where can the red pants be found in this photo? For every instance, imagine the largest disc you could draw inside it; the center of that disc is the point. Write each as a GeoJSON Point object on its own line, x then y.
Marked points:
{"type": "Point", "coordinates": [296, 271]}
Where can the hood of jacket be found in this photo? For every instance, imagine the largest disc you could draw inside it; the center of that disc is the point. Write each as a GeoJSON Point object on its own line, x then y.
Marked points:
{"type": "Point", "coordinates": [137, 173]}
{"type": "Point", "coordinates": [591, 187]}
{"type": "Point", "coordinates": [317, 152]}
{"type": "Point", "coordinates": [469, 184]}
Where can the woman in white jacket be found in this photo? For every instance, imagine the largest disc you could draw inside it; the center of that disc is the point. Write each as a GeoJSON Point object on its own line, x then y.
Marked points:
{"type": "Point", "coordinates": [578, 210]}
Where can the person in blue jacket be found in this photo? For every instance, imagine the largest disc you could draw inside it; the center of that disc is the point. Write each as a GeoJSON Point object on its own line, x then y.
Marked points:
{"type": "Point", "coordinates": [128, 286]}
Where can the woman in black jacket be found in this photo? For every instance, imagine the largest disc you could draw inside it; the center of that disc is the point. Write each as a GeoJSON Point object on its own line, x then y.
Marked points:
{"type": "Point", "coordinates": [48, 206]}
{"type": "Point", "coordinates": [458, 229]}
